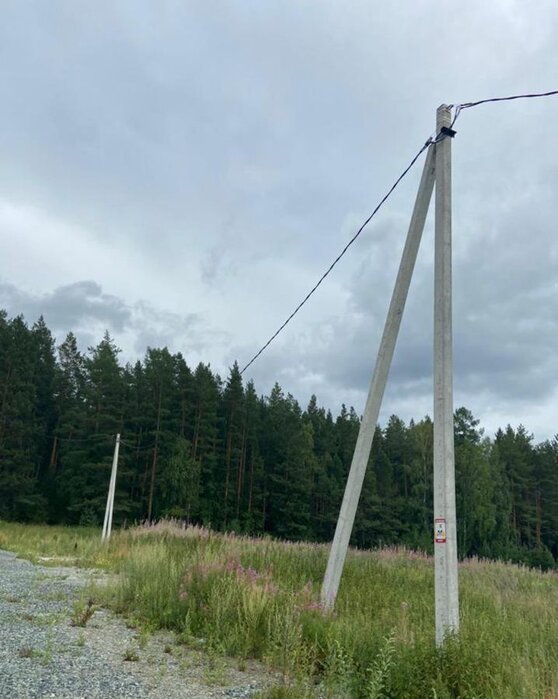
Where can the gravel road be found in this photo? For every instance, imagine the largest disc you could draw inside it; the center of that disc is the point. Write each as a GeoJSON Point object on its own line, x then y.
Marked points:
{"type": "Point", "coordinates": [42, 655]}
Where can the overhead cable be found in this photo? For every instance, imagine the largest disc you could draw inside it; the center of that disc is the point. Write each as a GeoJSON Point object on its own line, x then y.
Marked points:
{"type": "Point", "coordinates": [80, 440]}
{"type": "Point", "coordinates": [136, 447]}
{"type": "Point", "coordinates": [468, 105]}
{"type": "Point", "coordinates": [342, 253]}
{"type": "Point", "coordinates": [431, 141]}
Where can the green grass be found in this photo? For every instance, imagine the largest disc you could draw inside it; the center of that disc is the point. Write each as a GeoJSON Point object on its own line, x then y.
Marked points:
{"type": "Point", "coordinates": [58, 545]}
{"type": "Point", "coordinates": [259, 598]}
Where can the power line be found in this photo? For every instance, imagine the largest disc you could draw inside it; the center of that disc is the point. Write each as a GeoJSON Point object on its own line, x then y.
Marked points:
{"type": "Point", "coordinates": [468, 105]}
{"type": "Point", "coordinates": [135, 447]}
{"type": "Point", "coordinates": [81, 440]}
{"type": "Point", "coordinates": [342, 253]}
{"type": "Point", "coordinates": [432, 140]}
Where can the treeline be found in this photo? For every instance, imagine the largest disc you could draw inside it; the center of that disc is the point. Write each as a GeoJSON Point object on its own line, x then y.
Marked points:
{"type": "Point", "coordinates": [215, 452]}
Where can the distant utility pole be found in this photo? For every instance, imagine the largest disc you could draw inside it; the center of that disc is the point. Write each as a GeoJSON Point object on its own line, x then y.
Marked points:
{"type": "Point", "coordinates": [445, 528]}
{"type": "Point", "coordinates": [377, 386]}
{"type": "Point", "coordinates": [107, 524]}
{"type": "Point", "coordinates": [437, 168]}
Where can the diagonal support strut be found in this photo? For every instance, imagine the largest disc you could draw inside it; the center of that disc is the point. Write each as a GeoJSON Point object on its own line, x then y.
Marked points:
{"type": "Point", "coordinates": [377, 386]}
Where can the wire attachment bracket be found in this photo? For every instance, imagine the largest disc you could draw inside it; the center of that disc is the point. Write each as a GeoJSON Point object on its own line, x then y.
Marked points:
{"type": "Point", "coordinates": [446, 131]}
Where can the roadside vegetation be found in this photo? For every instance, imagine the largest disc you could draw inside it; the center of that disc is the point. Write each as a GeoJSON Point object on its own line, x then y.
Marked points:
{"type": "Point", "coordinates": [259, 598]}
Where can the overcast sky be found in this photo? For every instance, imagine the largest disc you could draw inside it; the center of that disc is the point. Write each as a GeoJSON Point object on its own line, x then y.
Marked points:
{"type": "Point", "coordinates": [181, 173]}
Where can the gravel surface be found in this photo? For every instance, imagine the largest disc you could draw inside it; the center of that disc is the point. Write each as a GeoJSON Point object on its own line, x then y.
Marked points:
{"type": "Point", "coordinates": [43, 655]}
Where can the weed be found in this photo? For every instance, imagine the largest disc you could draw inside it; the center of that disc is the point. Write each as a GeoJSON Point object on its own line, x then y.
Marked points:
{"type": "Point", "coordinates": [27, 652]}
{"type": "Point", "coordinates": [215, 673]}
{"type": "Point", "coordinates": [186, 665]}
{"type": "Point", "coordinates": [83, 613]}
{"type": "Point", "coordinates": [338, 671]}
{"type": "Point", "coordinates": [287, 691]}
{"type": "Point", "coordinates": [378, 681]}
{"type": "Point", "coordinates": [48, 652]}
{"type": "Point", "coordinates": [143, 638]}
{"type": "Point", "coordinates": [45, 655]}
{"type": "Point", "coordinates": [130, 655]}
{"type": "Point", "coordinates": [48, 619]}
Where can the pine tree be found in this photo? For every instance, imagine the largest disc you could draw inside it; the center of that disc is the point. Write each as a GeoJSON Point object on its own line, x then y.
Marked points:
{"type": "Point", "coordinates": [282, 416]}
{"type": "Point", "coordinates": [206, 443]}
{"type": "Point", "coordinates": [87, 454]}
{"type": "Point", "coordinates": [253, 491]}
{"type": "Point", "coordinates": [546, 495]}
{"type": "Point", "coordinates": [420, 503]}
{"type": "Point", "coordinates": [160, 379]}
{"type": "Point", "coordinates": [179, 483]}
{"type": "Point", "coordinates": [22, 431]}
{"type": "Point", "coordinates": [234, 439]}
{"type": "Point", "coordinates": [476, 521]}
{"type": "Point", "coordinates": [398, 450]}
{"type": "Point", "coordinates": [516, 455]}
{"type": "Point", "coordinates": [44, 379]}
{"type": "Point", "coordinates": [70, 433]}
{"type": "Point", "coordinates": [295, 495]}
{"type": "Point", "coordinates": [133, 462]}
{"type": "Point", "coordinates": [185, 396]}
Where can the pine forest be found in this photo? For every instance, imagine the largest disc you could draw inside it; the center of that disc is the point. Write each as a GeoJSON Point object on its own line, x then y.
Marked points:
{"type": "Point", "coordinates": [210, 450]}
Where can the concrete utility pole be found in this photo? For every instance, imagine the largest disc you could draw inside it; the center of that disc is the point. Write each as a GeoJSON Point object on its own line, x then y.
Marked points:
{"type": "Point", "coordinates": [377, 386]}
{"type": "Point", "coordinates": [107, 524]}
{"type": "Point", "coordinates": [445, 529]}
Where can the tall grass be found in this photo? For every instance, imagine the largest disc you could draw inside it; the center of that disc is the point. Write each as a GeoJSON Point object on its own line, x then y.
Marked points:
{"type": "Point", "coordinates": [55, 545]}
{"type": "Point", "coordinates": [260, 598]}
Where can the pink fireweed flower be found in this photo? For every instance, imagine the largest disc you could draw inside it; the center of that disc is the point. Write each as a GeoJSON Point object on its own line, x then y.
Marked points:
{"type": "Point", "coordinates": [245, 576]}
{"type": "Point", "coordinates": [306, 601]}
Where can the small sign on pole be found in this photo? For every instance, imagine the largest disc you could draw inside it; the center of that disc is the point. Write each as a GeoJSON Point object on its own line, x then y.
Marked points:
{"type": "Point", "coordinates": [440, 530]}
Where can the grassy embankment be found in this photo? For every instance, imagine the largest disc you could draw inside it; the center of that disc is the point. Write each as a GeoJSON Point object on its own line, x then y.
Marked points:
{"type": "Point", "coordinates": [259, 598]}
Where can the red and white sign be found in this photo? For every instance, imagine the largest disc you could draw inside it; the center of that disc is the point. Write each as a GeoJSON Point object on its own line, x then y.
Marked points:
{"type": "Point", "coordinates": [440, 530]}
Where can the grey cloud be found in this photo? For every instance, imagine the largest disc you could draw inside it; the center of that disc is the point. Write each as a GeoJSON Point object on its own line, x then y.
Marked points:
{"type": "Point", "coordinates": [187, 333]}
{"type": "Point", "coordinates": [505, 321]}
{"type": "Point", "coordinates": [84, 308]}
{"type": "Point", "coordinates": [68, 306]}
{"type": "Point", "coordinates": [128, 124]}
{"type": "Point", "coordinates": [250, 137]}
{"type": "Point", "coordinates": [217, 266]}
